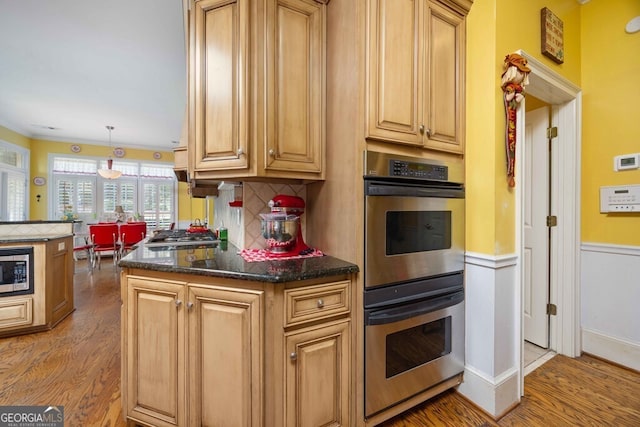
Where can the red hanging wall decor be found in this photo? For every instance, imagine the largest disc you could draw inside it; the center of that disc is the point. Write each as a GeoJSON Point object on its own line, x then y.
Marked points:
{"type": "Point", "coordinates": [514, 78]}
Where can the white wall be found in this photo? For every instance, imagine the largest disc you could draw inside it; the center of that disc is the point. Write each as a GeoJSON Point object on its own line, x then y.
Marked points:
{"type": "Point", "coordinates": [610, 291]}
{"type": "Point", "coordinates": [493, 333]}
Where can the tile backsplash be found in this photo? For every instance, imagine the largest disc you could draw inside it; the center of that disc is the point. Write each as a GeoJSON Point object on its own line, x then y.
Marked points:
{"type": "Point", "coordinates": [244, 223]}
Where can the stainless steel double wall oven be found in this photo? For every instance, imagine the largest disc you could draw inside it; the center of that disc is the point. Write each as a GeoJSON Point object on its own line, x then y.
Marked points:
{"type": "Point", "coordinates": [413, 275]}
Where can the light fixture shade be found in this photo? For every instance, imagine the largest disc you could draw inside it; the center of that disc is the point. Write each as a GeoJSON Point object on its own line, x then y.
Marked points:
{"type": "Point", "coordinates": [109, 173]}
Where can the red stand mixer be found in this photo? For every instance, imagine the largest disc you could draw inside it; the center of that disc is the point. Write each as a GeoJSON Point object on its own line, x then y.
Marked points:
{"type": "Point", "coordinates": [282, 229]}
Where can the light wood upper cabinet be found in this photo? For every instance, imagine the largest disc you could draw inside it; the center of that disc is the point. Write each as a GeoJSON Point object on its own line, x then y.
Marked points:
{"type": "Point", "coordinates": [219, 86]}
{"type": "Point", "coordinates": [415, 80]}
{"type": "Point", "coordinates": [257, 89]}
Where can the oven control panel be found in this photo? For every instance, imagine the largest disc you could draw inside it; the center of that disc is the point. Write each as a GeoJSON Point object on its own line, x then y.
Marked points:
{"type": "Point", "coordinates": [407, 169]}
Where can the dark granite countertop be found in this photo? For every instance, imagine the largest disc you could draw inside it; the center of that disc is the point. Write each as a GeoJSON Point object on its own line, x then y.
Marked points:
{"type": "Point", "coordinates": [32, 239]}
{"type": "Point", "coordinates": [214, 261]}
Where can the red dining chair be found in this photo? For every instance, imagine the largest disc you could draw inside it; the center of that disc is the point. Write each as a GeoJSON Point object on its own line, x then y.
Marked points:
{"type": "Point", "coordinates": [104, 238]}
{"type": "Point", "coordinates": [87, 248]}
{"type": "Point", "coordinates": [130, 234]}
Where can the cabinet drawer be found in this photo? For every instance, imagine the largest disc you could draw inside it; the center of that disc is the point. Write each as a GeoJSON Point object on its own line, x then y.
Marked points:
{"type": "Point", "coordinates": [17, 312]}
{"type": "Point", "coordinates": [316, 302]}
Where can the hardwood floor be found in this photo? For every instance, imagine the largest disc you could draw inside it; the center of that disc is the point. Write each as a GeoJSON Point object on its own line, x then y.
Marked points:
{"type": "Point", "coordinates": [77, 365]}
{"type": "Point", "coordinates": [584, 391]}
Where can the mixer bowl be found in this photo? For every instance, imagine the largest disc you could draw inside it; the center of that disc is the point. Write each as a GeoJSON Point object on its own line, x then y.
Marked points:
{"type": "Point", "coordinates": [280, 234]}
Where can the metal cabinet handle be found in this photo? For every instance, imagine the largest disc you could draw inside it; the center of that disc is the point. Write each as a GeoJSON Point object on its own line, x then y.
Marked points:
{"type": "Point", "coordinates": [293, 356]}
{"type": "Point", "coordinates": [320, 303]}
{"type": "Point", "coordinates": [189, 305]}
{"type": "Point", "coordinates": [272, 152]}
{"type": "Point", "coordinates": [178, 303]}
{"type": "Point", "coordinates": [425, 130]}
{"type": "Point", "coordinates": [240, 151]}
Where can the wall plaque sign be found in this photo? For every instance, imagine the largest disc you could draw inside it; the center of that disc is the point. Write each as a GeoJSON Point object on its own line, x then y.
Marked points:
{"type": "Point", "coordinates": [552, 42]}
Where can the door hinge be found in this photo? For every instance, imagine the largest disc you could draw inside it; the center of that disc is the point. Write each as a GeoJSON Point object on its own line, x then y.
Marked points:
{"type": "Point", "coordinates": [552, 132]}
{"type": "Point", "coordinates": [552, 309]}
{"type": "Point", "coordinates": [552, 221]}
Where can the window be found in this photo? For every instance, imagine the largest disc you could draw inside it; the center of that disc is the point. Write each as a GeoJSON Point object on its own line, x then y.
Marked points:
{"type": "Point", "coordinates": [147, 190]}
{"type": "Point", "coordinates": [14, 170]}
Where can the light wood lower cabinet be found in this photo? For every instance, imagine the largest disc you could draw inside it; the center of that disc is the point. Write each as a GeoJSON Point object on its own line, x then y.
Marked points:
{"type": "Point", "coordinates": [317, 376]}
{"type": "Point", "coordinates": [225, 357]}
{"type": "Point", "coordinates": [192, 354]}
{"type": "Point", "coordinates": [155, 352]}
{"type": "Point", "coordinates": [16, 312]}
{"type": "Point", "coordinates": [59, 266]}
{"type": "Point", "coordinates": [52, 297]}
{"type": "Point", "coordinates": [225, 354]}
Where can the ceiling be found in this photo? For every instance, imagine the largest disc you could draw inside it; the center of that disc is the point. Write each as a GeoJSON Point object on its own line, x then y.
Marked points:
{"type": "Point", "coordinates": [69, 68]}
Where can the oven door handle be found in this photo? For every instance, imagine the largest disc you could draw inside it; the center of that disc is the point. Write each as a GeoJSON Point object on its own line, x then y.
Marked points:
{"type": "Point", "coordinates": [396, 314]}
{"type": "Point", "coordinates": [389, 189]}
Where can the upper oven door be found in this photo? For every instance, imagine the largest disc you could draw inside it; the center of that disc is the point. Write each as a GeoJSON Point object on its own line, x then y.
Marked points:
{"type": "Point", "coordinates": [412, 231]}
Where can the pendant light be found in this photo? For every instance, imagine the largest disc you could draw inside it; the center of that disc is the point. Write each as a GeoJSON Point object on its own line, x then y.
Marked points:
{"type": "Point", "coordinates": [109, 173]}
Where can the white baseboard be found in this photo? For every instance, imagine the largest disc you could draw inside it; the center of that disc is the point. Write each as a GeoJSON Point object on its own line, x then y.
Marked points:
{"type": "Point", "coordinates": [494, 396]}
{"type": "Point", "coordinates": [615, 350]}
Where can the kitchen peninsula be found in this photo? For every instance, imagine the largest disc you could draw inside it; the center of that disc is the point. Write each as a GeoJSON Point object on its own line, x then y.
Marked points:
{"type": "Point", "coordinates": [46, 296]}
{"type": "Point", "coordinates": [211, 339]}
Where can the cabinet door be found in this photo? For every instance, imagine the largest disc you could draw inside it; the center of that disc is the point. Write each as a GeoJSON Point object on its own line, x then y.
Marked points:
{"type": "Point", "coordinates": [219, 84]}
{"type": "Point", "coordinates": [295, 85]}
{"type": "Point", "coordinates": [317, 376]}
{"type": "Point", "coordinates": [445, 77]}
{"type": "Point", "coordinates": [59, 280]}
{"type": "Point", "coordinates": [225, 357]}
{"type": "Point", "coordinates": [156, 352]}
{"type": "Point", "coordinates": [394, 74]}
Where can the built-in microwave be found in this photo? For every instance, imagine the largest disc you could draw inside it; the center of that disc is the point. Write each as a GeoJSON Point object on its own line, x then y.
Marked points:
{"type": "Point", "coordinates": [16, 271]}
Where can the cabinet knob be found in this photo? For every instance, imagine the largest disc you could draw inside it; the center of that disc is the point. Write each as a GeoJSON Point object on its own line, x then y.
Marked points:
{"type": "Point", "coordinates": [428, 132]}
{"type": "Point", "coordinates": [293, 356]}
{"type": "Point", "coordinates": [320, 303]}
{"type": "Point", "coordinates": [189, 305]}
{"type": "Point", "coordinates": [178, 303]}
{"type": "Point", "coordinates": [272, 152]}
{"type": "Point", "coordinates": [240, 151]}
{"type": "Point", "coordinates": [421, 129]}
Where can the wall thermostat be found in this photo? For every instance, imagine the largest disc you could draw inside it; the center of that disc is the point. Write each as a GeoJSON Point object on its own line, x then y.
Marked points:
{"type": "Point", "coordinates": [620, 198]}
{"type": "Point", "coordinates": [626, 161]}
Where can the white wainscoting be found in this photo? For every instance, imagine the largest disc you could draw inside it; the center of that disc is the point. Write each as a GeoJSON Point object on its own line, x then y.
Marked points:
{"type": "Point", "coordinates": [493, 337]}
{"type": "Point", "coordinates": [610, 292]}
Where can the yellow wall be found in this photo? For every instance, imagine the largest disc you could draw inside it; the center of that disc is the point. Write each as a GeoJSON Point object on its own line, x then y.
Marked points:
{"type": "Point", "coordinates": [480, 158]}
{"type": "Point", "coordinates": [496, 28]}
{"type": "Point", "coordinates": [39, 151]}
{"type": "Point", "coordinates": [611, 116]}
{"type": "Point", "coordinates": [13, 137]}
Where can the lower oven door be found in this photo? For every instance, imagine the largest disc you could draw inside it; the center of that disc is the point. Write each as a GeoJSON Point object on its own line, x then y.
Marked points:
{"type": "Point", "coordinates": [410, 348]}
